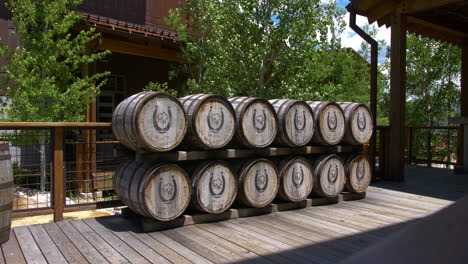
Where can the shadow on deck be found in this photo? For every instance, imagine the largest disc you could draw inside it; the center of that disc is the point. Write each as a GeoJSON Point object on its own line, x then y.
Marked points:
{"type": "Point", "coordinates": [432, 182]}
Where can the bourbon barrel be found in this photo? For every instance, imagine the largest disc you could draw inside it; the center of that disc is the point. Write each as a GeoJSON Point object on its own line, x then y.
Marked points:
{"type": "Point", "coordinates": [295, 122]}
{"type": "Point", "coordinates": [160, 191]}
{"type": "Point", "coordinates": [151, 121]}
{"type": "Point", "coordinates": [214, 187]}
{"type": "Point", "coordinates": [6, 192]}
{"type": "Point", "coordinates": [358, 120]}
{"type": "Point", "coordinates": [256, 121]}
{"type": "Point", "coordinates": [330, 175]}
{"type": "Point", "coordinates": [296, 178]}
{"type": "Point", "coordinates": [359, 173]}
{"type": "Point", "coordinates": [330, 123]}
{"type": "Point", "coordinates": [257, 183]}
{"type": "Point", "coordinates": [211, 120]}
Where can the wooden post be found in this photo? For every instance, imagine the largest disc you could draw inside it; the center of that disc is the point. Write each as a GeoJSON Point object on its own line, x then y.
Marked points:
{"type": "Point", "coordinates": [397, 98]}
{"type": "Point", "coordinates": [462, 159]}
{"type": "Point", "coordinates": [59, 183]}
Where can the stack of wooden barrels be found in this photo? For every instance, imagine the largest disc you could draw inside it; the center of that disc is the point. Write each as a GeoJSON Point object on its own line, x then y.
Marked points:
{"type": "Point", "coordinates": [151, 122]}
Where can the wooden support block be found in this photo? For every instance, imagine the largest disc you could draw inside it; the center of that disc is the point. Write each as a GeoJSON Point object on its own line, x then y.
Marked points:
{"type": "Point", "coordinates": [317, 201]}
{"type": "Point", "coordinates": [348, 196]}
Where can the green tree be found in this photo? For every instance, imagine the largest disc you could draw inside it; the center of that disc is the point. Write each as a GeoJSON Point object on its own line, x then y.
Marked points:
{"type": "Point", "coordinates": [44, 80]}
{"type": "Point", "coordinates": [267, 48]}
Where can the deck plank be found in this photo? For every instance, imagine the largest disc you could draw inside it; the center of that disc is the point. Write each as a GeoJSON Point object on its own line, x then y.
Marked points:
{"type": "Point", "coordinates": [12, 251]}
{"type": "Point", "coordinates": [179, 248]}
{"type": "Point", "coordinates": [86, 249]}
{"type": "Point", "coordinates": [409, 195]}
{"type": "Point", "coordinates": [31, 251]}
{"type": "Point", "coordinates": [119, 245]}
{"type": "Point", "coordinates": [51, 252]}
{"type": "Point", "coordinates": [69, 251]}
{"type": "Point", "coordinates": [2, 259]}
{"type": "Point", "coordinates": [107, 251]}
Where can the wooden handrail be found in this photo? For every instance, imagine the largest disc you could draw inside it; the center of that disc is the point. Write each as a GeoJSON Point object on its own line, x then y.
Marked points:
{"type": "Point", "coordinates": [4, 125]}
{"type": "Point", "coordinates": [423, 127]}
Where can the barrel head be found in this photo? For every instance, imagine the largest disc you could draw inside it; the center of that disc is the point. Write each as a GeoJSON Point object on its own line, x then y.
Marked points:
{"type": "Point", "coordinates": [259, 183]}
{"type": "Point", "coordinates": [359, 173]}
{"type": "Point", "coordinates": [215, 187]}
{"type": "Point", "coordinates": [331, 176]}
{"type": "Point", "coordinates": [331, 124]}
{"type": "Point", "coordinates": [361, 125]}
{"type": "Point", "coordinates": [258, 124]}
{"type": "Point", "coordinates": [296, 179]}
{"type": "Point", "coordinates": [299, 124]}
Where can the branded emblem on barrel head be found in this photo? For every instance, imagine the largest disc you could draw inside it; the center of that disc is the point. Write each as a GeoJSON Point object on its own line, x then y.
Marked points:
{"type": "Point", "coordinates": [333, 173]}
{"type": "Point", "coordinates": [361, 122]}
{"type": "Point", "coordinates": [297, 177]}
{"type": "Point", "coordinates": [217, 185]}
{"type": "Point", "coordinates": [162, 120]}
{"type": "Point", "coordinates": [332, 121]}
{"type": "Point", "coordinates": [261, 181]}
{"type": "Point", "coordinates": [360, 170]}
{"type": "Point", "coordinates": [259, 121]}
{"type": "Point", "coordinates": [299, 121]}
{"type": "Point", "coordinates": [215, 120]}
{"type": "Point", "coordinates": [168, 191]}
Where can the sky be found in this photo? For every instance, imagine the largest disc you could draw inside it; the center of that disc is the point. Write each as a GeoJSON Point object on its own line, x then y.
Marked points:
{"type": "Point", "coordinates": [350, 39]}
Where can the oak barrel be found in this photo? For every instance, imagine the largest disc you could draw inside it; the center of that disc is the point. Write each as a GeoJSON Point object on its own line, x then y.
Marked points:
{"type": "Point", "coordinates": [6, 192]}
{"type": "Point", "coordinates": [330, 176]}
{"type": "Point", "coordinates": [211, 121]}
{"type": "Point", "coordinates": [214, 187]}
{"type": "Point", "coordinates": [160, 191]}
{"type": "Point", "coordinates": [295, 122]}
{"type": "Point", "coordinates": [256, 121]}
{"type": "Point", "coordinates": [296, 178]}
{"type": "Point", "coordinates": [330, 123]}
{"type": "Point", "coordinates": [358, 120]}
{"type": "Point", "coordinates": [151, 121]}
{"type": "Point", "coordinates": [359, 173]}
{"type": "Point", "coordinates": [257, 183]}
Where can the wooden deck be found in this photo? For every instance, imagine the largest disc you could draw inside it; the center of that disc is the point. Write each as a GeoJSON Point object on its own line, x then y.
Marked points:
{"type": "Point", "coordinates": [323, 234]}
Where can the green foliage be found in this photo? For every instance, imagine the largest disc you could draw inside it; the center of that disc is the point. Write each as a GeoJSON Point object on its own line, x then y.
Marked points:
{"type": "Point", "coordinates": [433, 81]}
{"type": "Point", "coordinates": [44, 74]}
{"type": "Point", "coordinates": [160, 87]}
{"type": "Point", "coordinates": [268, 48]}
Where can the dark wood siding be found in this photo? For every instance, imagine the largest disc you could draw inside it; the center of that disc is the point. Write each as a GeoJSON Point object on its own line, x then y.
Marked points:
{"type": "Point", "coordinates": [157, 10]}
{"type": "Point", "coordinates": [132, 11]}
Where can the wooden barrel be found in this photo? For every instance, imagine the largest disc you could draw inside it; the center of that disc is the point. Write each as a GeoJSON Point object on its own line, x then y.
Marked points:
{"type": "Point", "coordinates": [151, 121]}
{"type": "Point", "coordinates": [295, 122]}
{"type": "Point", "coordinates": [256, 121]}
{"type": "Point", "coordinates": [330, 123]}
{"type": "Point", "coordinates": [6, 192]}
{"type": "Point", "coordinates": [330, 176]}
{"type": "Point", "coordinates": [359, 173]}
{"type": "Point", "coordinates": [161, 191]}
{"type": "Point", "coordinates": [257, 183]}
{"type": "Point", "coordinates": [296, 178]}
{"type": "Point", "coordinates": [358, 122]}
{"type": "Point", "coordinates": [211, 120]}
{"type": "Point", "coordinates": [214, 187]}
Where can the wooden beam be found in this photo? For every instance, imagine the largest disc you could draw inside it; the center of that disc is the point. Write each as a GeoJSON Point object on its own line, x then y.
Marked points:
{"type": "Point", "coordinates": [435, 31]}
{"type": "Point", "coordinates": [149, 50]}
{"type": "Point", "coordinates": [396, 150]}
{"type": "Point", "coordinates": [414, 6]}
{"type": "Point", "coordinates": [381, 10]}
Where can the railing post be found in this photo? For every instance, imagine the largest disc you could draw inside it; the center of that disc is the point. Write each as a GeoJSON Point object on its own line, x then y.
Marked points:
{"type": "Point", "coordinates": [59, 184]}
{"type": "Point", "coordinates": [410, 145]}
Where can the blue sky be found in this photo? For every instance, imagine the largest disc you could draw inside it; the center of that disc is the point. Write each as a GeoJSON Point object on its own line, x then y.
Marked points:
{"type": "Point", "coordinates": [350, 39]}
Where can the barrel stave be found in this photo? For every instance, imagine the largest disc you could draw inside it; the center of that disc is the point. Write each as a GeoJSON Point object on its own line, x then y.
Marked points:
{"type": "Point", "coordinates": [6, 192]}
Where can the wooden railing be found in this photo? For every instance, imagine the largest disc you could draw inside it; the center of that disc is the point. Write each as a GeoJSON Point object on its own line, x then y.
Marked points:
{"type": "Point", "coordinates": [425, 145]}
{"type": "Point", "coordinates": [65, 167]}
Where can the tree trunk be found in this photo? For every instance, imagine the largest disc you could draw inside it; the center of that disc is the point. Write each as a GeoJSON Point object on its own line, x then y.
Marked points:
{"type": "Point", "coordinates": [43, 161]}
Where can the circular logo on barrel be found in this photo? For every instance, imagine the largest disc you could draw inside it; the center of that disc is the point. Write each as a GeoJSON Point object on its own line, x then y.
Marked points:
{"type": "Point", "coordinates": [297, 176]}
{"type": "Point", "coordinates": [299, 120]}
{"type": "Point", "coordinates": [332, 121]}
{"type": "Point", "coordinates": [215, 120]}
{"type": "Point", "coordinates": [162, 119]}
{"type": "Point", "coordinates": [168, 190]}
{"type": "Point", "coordinates": [217, 185]}
{"type": "Point", "coordinates": [259, 121]}
{"type": "Point", "coordinates": [261, 181]}
{"type": "Point", "coordinates": [360, 170]}
{"type": "Point", "coordinates": [361, 121]}
{"type": "Point", "coordinates": [332, 173]}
